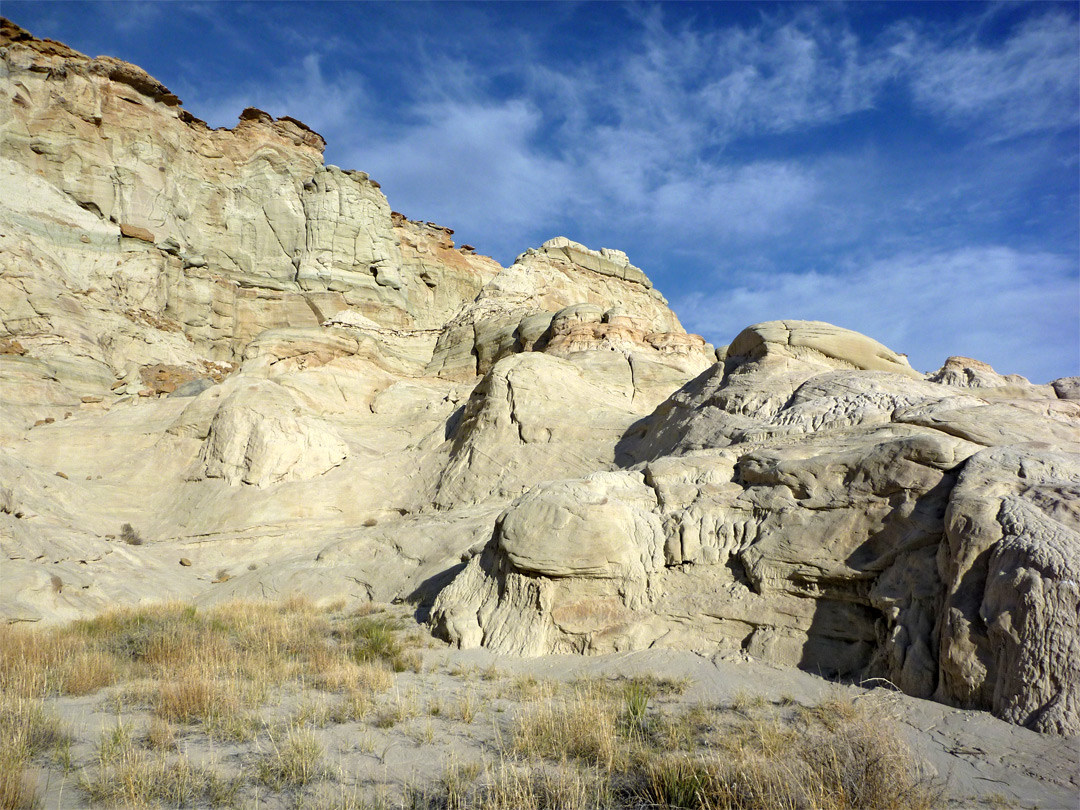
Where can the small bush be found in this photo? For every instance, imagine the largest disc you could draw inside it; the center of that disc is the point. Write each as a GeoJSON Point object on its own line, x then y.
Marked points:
{"type": "Point", "coordinates": [130, 536]}
{"type": "Point", "coordinates": [375, 639]}
{"type": "Point", "coordinates": [636, 707]}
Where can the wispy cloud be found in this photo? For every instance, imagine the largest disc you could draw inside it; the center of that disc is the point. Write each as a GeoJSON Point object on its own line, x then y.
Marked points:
{"type": "Point", "coordinates": [1028, 83]}
{"type": "Point", "coordinates": [135, 17]}
{"type": "Point", "coordinates": [474, 163]}
{"type": "Point", "coordinates": [989, 302]}
{"type": "Point", "coordinates": [300, 89]}
{"type": "Point", "coordinates": [748, 201]}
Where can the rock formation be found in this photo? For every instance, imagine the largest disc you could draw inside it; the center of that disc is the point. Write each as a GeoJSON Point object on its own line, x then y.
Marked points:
{"type": "Point", "coordinates": [247, 358]}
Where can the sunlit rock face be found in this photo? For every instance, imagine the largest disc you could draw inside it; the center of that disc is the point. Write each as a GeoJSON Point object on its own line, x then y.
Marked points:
{"type": "Point", "coordinates": [245, 355]}
{"type": "Point", "coordinates": [816, 503]}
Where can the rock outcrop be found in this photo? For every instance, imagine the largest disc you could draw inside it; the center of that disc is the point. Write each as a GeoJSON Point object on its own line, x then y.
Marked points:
{"type": "Point", "coordinates": [282, 386]}
{"type": "Point", "coordinates": [814, 503]}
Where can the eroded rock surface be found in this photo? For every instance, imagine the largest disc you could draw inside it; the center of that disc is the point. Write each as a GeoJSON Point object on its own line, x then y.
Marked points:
{"type": "Point", "coordinates": [815, 510]}
{"type": "Point", "coordinates": [230, 370]}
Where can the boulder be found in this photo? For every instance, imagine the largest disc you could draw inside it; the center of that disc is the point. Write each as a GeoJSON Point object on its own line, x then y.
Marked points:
{"type": "Point", "coordinates": [257, 437]}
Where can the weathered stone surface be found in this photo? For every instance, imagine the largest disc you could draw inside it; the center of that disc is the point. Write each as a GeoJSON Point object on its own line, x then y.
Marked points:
{"type": "Point", "coordinates": [805, 555]}
{"type": "Point", "coordinates": [505, 317]}
{"type": "Point", "coordinates": [1008, 632]}
{"type": "Point", "coordinates": [599, 527]}
{"type": "Point", "coordinates": [1067, 387]}
{"type": "Point", "coordinates": [814, 342]}
{"type": "Point", "coordinates": [257, 437]}
{"type": "Point", "coordinates": [532, 418]}
{"type": "Point", "coordinates": [1052, 421]}
{"type": "Point", "coordinates": [244, 354]}
{"type": "Point", "coordinates": [247, 259]}
{"type": "Point", "coordinates": [964, 372]}
{"type": "Point", "coordinates": [810, 516]}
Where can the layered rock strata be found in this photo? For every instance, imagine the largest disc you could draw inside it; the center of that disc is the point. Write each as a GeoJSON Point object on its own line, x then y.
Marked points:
{"type": "Point", "coordinates": [216, 348]}
{"type": "Point", "coordinates": [797, 505]}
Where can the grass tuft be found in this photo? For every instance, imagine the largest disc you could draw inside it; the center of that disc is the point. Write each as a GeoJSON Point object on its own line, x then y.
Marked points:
{"type": "Point", "coordinates": [298, 761]}
{"type": "Point", "coordinates": [128, 776]}
{"type": "Point", "coordinates": [27, 731]}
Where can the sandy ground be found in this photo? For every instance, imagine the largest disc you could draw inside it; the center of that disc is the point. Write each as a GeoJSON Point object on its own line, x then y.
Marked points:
{"type": "Point", "coordinates": [456, 710]}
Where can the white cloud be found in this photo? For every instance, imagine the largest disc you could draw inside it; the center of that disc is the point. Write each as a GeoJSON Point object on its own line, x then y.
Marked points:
{"type": "Point", "coordinates": [471, 163]}
{"type": "Point", "coordinates": [334, 107]}
{"type": "Point", "coordinates": [988, 302]}
{"type": "Point", "coordinates": [645, 135]}
{"type": "Point", "coordinates": [803, 73]}
{"type": "Point", "coordinates": [754, 200]}
{"type": "Point", "coordinates": [1028, 83]}
{"type": "Point", "coordinates": [656, 147]}
{"type": "Point", "coordinates": [138, 16]}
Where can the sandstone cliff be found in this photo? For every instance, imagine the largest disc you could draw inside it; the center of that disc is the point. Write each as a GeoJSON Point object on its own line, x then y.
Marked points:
{"type": "Point", "coordinates": [228, 369]}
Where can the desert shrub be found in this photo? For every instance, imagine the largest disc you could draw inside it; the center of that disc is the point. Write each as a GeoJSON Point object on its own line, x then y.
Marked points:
{"type": "Point", "coordinates": [635, 708]}
{"type": "Point", "coordinates": [130, 536]}
{"type": "Point", "coordinates": [377, 639]}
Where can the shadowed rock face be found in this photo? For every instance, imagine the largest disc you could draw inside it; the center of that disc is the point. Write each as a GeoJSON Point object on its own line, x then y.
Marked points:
{"type": "Point", "coordinates": [246, 355]}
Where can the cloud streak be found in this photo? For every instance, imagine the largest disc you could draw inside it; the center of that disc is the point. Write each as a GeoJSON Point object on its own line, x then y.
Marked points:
{"type": "Point", "coordinates": [1027, 84]}
{"type": "Point", "coordinates": [988, 302]}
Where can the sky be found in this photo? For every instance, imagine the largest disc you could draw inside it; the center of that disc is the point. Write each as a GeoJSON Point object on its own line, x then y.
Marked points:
{"type": "Point", "coordinates": [907, 170]}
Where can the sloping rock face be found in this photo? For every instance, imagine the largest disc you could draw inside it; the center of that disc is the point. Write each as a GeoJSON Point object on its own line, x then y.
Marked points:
{"type": "Point", "coordinates": [796, 505]}
{"type": "Point", "coordinates": [247, 357]}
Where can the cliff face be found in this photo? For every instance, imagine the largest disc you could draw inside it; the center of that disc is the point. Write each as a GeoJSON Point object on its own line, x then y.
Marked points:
{"type": "Point", "coordinates": [246, 356]}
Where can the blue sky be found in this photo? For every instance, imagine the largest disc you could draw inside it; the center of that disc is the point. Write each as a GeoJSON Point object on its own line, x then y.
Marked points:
{"type": "Point", "coordinates": [907, 170]}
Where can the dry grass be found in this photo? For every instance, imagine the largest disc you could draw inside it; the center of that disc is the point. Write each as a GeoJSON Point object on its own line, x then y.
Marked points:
{"type": "Point", "coordinates": [27, 731]}
{"type": "Point", "coordinates": [403, 707]}
{"type": "Point", "coordinates": [582, 726]}
{"type": "Point", "coordinates": [161, 736]}
{"type": "Point", "coordinates": [606, 746]}
{"type": "Point", "coordinates": [467, 706]}
{"type": "Point", "coordinates": [275, 673]}
{"type": "Point", "coordinates": [511, 786]}
{"type": "Point", "coordinates": [530, 688]}
{"type": "Point", "coordinates": [597, 723]}
{"type": "Point", "coordinates": [852, 763]}
{"type": "Point", "coordinates": [837, 755]}
{"type": "Point", "coordinates": [295, 761]}
{"type": "Point", "coordinates": [214, 668]}
{"type": "Point", "coordinates": [126, 775]}
{"type": "Point", "coordinates": [203, 661]}
{"type": "Point", "coordinates": [377, 638]}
